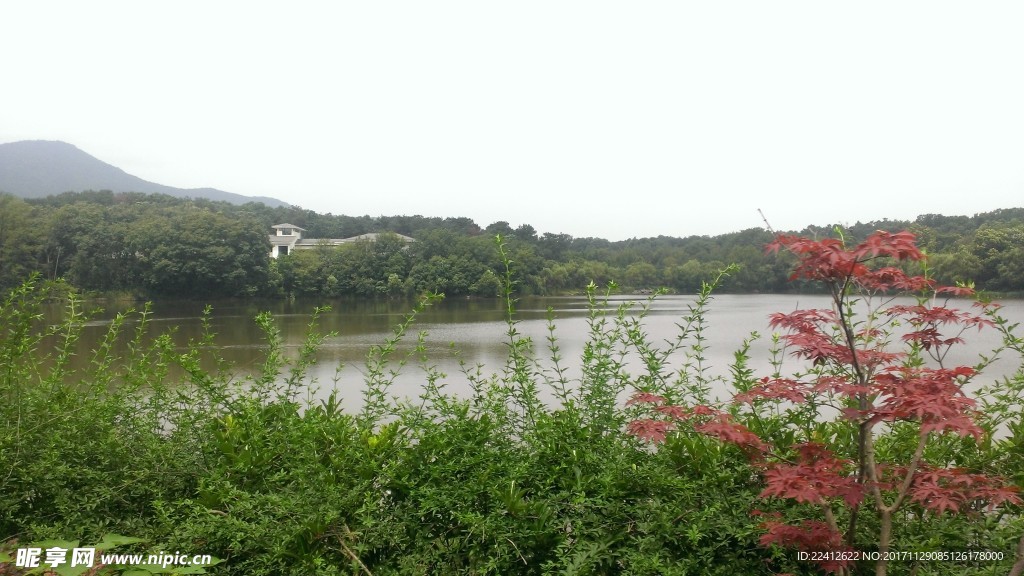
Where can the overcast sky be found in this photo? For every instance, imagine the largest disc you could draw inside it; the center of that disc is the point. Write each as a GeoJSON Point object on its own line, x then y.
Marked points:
{"type": "Point", "coordinates": [608, 119]}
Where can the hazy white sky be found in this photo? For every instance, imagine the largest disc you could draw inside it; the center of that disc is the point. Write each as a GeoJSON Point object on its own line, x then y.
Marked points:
{"type": "Point", "coordinates": [592, 118]}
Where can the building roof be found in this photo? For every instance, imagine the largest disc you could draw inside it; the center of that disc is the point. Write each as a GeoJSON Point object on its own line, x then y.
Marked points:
{"type": "Point", "coordinates": [372, 237]}
{"type": "Point", "coordinates": [319, 242]}
{"type": "Point", "coordinates": [276, 226]}
{"type": "Point", "coordinates": [281, 240]}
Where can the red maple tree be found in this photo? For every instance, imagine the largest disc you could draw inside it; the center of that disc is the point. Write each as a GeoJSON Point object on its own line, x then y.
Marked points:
{"type": "Point", "coordinates": [855, 369]}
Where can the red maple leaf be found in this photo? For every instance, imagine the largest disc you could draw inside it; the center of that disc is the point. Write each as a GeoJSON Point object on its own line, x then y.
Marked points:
{"type": "Point", "coordinates": [808, 536]}
{"type": "Point", "coordinates": [677, 412]}
{"type": "Point", "coordinates": [899, 246]}
{"type": "Point", "coordinates": [723, 428]}
{"type": "Point", "coordinates": [953, 489]}
{"type": "Point", "coordinates": [816, 477]}
{"type": "Point", "coordinates": [645, 398]}
{"type": "Point", "coordinates": [654, 431]}
{"type": "Point", "coordinates": [959, 291]}
{"type": "Point", "coordinates": [890, 278]}
{"type": "Point", "coordinates": [920, 315]}
{"type": "Point", "coordinates": [775, 389]}
{"type": "Point", "coordinates": [930, 396]}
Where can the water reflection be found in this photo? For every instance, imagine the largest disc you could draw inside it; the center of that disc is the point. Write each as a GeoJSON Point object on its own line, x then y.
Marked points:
{"type": "Point", "coordinates": [474, 332]}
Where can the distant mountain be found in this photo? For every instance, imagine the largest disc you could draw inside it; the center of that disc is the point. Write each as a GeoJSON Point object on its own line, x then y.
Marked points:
{"type": "Point", "coordinates": [40, 168]}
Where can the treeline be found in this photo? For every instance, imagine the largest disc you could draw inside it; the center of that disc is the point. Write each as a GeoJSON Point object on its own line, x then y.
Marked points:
{"type": "Point", "coordinates": [157, 245]}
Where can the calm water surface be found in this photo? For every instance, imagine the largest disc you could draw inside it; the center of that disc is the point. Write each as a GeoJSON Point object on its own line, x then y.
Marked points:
{"type": "Point", "coordinates": [476, 330]}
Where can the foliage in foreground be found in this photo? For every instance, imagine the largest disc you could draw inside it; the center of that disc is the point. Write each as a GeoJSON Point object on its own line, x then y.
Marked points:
{"type": "Point", "coordinates": [167, 446]}
{"type": "Point", "coordinates": [879, 437]}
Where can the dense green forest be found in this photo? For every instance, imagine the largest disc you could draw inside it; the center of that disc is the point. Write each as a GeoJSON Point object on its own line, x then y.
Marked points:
{"type": "Point", "coordinates": [159, 246]}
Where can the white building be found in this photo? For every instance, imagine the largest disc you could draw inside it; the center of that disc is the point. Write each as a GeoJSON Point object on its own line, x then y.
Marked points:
{"type": "Point", "coordinates": [288, 237]}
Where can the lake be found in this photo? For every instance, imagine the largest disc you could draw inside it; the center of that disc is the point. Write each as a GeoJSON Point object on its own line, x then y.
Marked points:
{"type": "Point", "coordinates": [476, 329]}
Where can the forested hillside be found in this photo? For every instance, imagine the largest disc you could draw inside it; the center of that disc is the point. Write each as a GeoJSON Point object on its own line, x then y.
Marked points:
{"type": "Point", "coordinates": [160, 246]}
